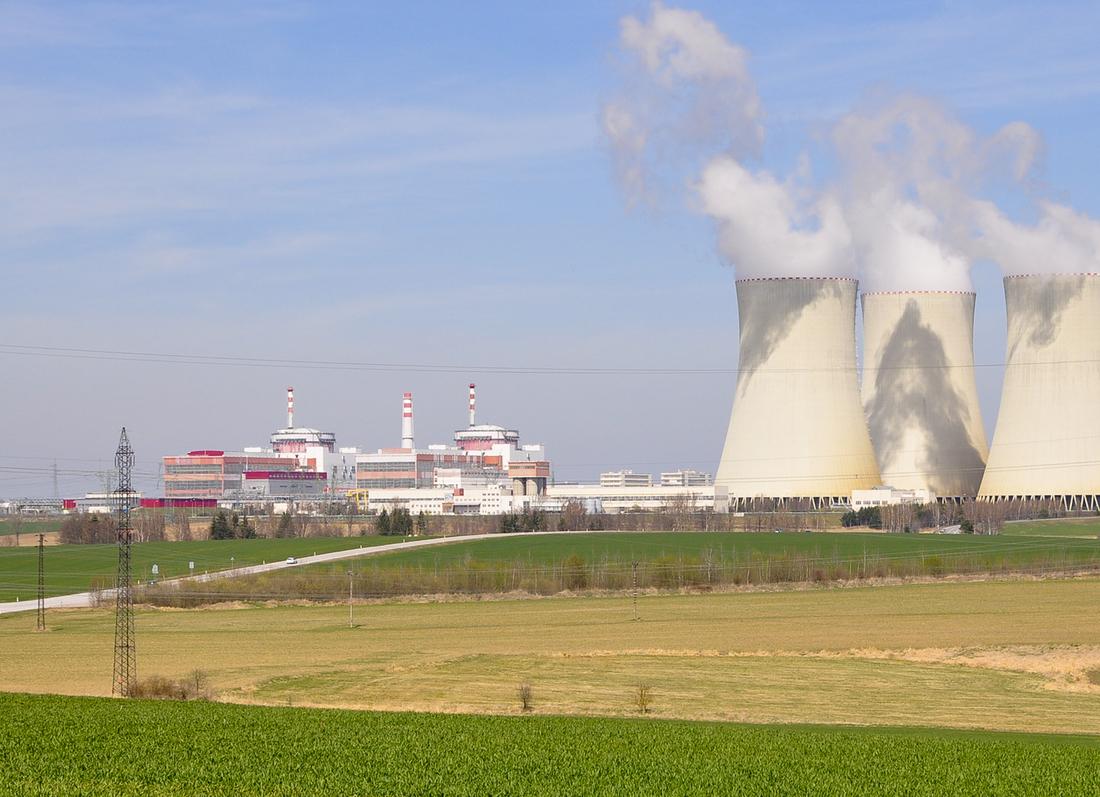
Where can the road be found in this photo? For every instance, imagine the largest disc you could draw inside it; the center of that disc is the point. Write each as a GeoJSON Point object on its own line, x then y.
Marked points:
{"type": "Point", "coordinates": [82, 600]}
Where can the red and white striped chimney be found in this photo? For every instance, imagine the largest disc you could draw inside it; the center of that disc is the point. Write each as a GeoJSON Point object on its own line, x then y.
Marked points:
{"type": "Point", "coordinates": [407, 421]}
{"type": "Point", "coordinates": [473, 401]}
{"type": "Point", "coordinates": [290, 408]}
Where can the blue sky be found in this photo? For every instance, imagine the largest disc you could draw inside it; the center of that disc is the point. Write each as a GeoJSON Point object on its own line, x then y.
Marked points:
{"type": "Point", "coordinates": [425, 183]}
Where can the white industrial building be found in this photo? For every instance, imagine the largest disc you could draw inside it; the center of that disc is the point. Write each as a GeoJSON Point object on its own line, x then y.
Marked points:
{"type": "Point", "coordinates": [713, 498]}
{"type": "Point", "coordinates": [284, 484]}
{"type": "Point", "coordinates": [625, 478]}
{"type": "Point", "coordinates": [919, 391]}
{"type": "Point", "coordinates": [1047, 441]}
{"type": "Point", "coordinates": [686, 478]}
{"type": "Point", "coordinates": [797, 430]}
{"type": "Point", "coordinates": [489, 500]}
{"type": "Point", "coordinates": [886, 495]}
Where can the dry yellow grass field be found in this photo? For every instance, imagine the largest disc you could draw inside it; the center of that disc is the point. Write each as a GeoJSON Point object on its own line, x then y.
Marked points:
{"type": "Point", "coordinates": [1021, 655]}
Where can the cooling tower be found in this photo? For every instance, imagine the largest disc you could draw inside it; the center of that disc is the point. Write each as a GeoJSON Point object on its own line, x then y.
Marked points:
{"type": "Point", "coordinates": [797, 429]}
{"type": "Point", "coordinates": [1047, 441]}
{"type": "Point", "coordinates": [919, 392]}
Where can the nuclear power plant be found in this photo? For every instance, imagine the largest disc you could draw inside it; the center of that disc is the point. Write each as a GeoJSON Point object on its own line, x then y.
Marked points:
{"type": "Point", "coordinates": [1047, 442]}
{"type": "Point", "coordinates": [797, 433]}
{"type": "Point", "coordinates": [919, 391]}
{"type": "Point", "coordinates": [809, 428]}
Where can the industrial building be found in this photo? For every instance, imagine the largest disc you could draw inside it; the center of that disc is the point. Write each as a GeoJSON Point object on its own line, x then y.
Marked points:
{"type": "Point", "coordinates": [653, 498]}
{"type": "Point", "coordinates": [212, 473]}
{"type": "Point", "coordinates": [797, 432]}
{"type": "Point", "coordinates": [890, 496]}
{"type": "Point", "coordinates": [625, 478]}
{"type": "Point", "coordinates": [919, 391]}
{"type": "Point", "coordinates": [483, 455]}
{"type": "Point", "coordinates": [284, 484]}
{"type": "Point", "coordinates": [686, 478]}
{"type": "Point", "coordinates": [251, 473]}
{"type": "Point", "coordinates": [1046, 445]}
{"type": "Point", "coordinates": [315, 451]}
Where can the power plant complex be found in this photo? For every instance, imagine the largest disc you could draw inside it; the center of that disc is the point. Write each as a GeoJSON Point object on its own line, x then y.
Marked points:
{"type": "Point", "coordinates": [809, 428]}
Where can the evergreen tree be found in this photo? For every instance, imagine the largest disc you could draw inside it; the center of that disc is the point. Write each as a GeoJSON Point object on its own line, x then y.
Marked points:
{"type": "Point", "coordinates": [246, 531]}
{"type": "Point", "coordinates": [286, 526]}
{"type": "Point", "coordinates": [384, 523]}
{"type": "Point", "coordinates": [220, 528]}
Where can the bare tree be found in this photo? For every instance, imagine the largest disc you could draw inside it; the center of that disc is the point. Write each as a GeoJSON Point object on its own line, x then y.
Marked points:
{"type": "Point", "coordinates": [574, 517]}
{"type": "Point", "coordinates": [526, 697]}
{"type": "Point", "coordinates": [183, 526]}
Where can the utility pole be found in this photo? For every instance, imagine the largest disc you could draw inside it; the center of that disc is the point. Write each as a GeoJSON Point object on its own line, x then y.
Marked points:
{"type": "Point", "coordinates": [634, 589]}
{"type": "Point", "coordinates": [125, 670]}
{"type": "Point", "coordinates": [41, 626]}
{"type": "Point", "coordinates": [351, 594]}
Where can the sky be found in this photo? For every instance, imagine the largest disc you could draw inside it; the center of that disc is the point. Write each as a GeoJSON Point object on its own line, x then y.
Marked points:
{"type": "Point", "coordinates": [425, 184]}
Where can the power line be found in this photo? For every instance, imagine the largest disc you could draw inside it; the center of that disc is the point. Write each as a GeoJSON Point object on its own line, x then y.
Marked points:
{"type": "Point", "coordinates": [233, 360]}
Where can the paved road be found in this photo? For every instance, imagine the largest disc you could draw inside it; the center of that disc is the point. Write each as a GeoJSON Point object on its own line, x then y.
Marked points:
{"type": "Point", "coordinates": [80, 600]}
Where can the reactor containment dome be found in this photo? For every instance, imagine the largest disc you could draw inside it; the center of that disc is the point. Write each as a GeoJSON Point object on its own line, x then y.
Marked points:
{"type": "Point", "coordinates": [1047, 442]}
{"type": "Point", "coordinates": [919, 391]}
{"type": "Point", "coordinates": [797, 433]}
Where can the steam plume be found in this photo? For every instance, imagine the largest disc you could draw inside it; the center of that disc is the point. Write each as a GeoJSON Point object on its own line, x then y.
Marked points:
{"type": "Point", "coordinates": [906, 212]}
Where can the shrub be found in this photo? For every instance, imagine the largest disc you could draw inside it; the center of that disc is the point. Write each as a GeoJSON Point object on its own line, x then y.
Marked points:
{"type": "Point", "coordinates": [643, 698]}
{"type": "Point", "coordinates": [193, 686]}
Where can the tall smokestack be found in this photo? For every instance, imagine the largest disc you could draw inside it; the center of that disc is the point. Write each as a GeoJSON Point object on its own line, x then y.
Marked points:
{"type": "Point", "coordinates": [473, 401]}
{"type": "Point", "coordinates": [407, 421]}
{"type": "Point", "coordinates": [797, 432]}
{"type": "Point", "coordinates": [290, 408]}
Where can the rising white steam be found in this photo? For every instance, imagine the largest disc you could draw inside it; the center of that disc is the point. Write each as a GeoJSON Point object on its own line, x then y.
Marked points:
{"type": "Point", "coordinates": [688, 92]}
{"type": "Point", "coordinates": [906, 212]}
{"type": "Point", "coordinates": [691, 100]}
{"type": "Point", "coordinates": [766, 230]}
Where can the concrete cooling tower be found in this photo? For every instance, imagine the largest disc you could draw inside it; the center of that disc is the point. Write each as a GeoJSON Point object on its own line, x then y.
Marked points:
{"type": "Point", "coordinates": [797, 429]}
{"type": "Point", "coordinates": [919, 391]}
{"type": "Point", "coordinates": [1047, 441]}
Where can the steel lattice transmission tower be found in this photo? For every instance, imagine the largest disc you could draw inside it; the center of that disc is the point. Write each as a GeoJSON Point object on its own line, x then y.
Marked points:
{"type": "Point", "coordinates": [125, 654]}
{"type": "Point", "coordinates": [41, 626]}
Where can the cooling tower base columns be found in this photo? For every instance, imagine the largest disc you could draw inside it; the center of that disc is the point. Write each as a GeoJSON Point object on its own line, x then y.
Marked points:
{"type": "Point", "coordinates": [1047, 442]}
{"type": "Point", "coordinates": [797, 431]}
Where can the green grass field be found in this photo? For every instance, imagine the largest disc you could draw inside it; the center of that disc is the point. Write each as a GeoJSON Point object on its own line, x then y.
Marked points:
{"type": "Point", "coordinates": [29, 525]}
{"type": "Point", "coordinates": [58, 746]}
{"type": "Point", "coordinates": [1061, 527]}
{"type": "Point", "coordinates": [76, 568]}
{"type": "Point", "coordinates": [648, 546]}
{"type": "Point", "coordinates": [604, 560]}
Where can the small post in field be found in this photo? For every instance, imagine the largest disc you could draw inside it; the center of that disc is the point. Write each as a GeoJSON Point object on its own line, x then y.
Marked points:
{"type": "Point", "coordinates": [634, 588]}
{"type": "Point", "coordinates": [351, 594]}
{"type": "Point", "coordinates": [41, 625]}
